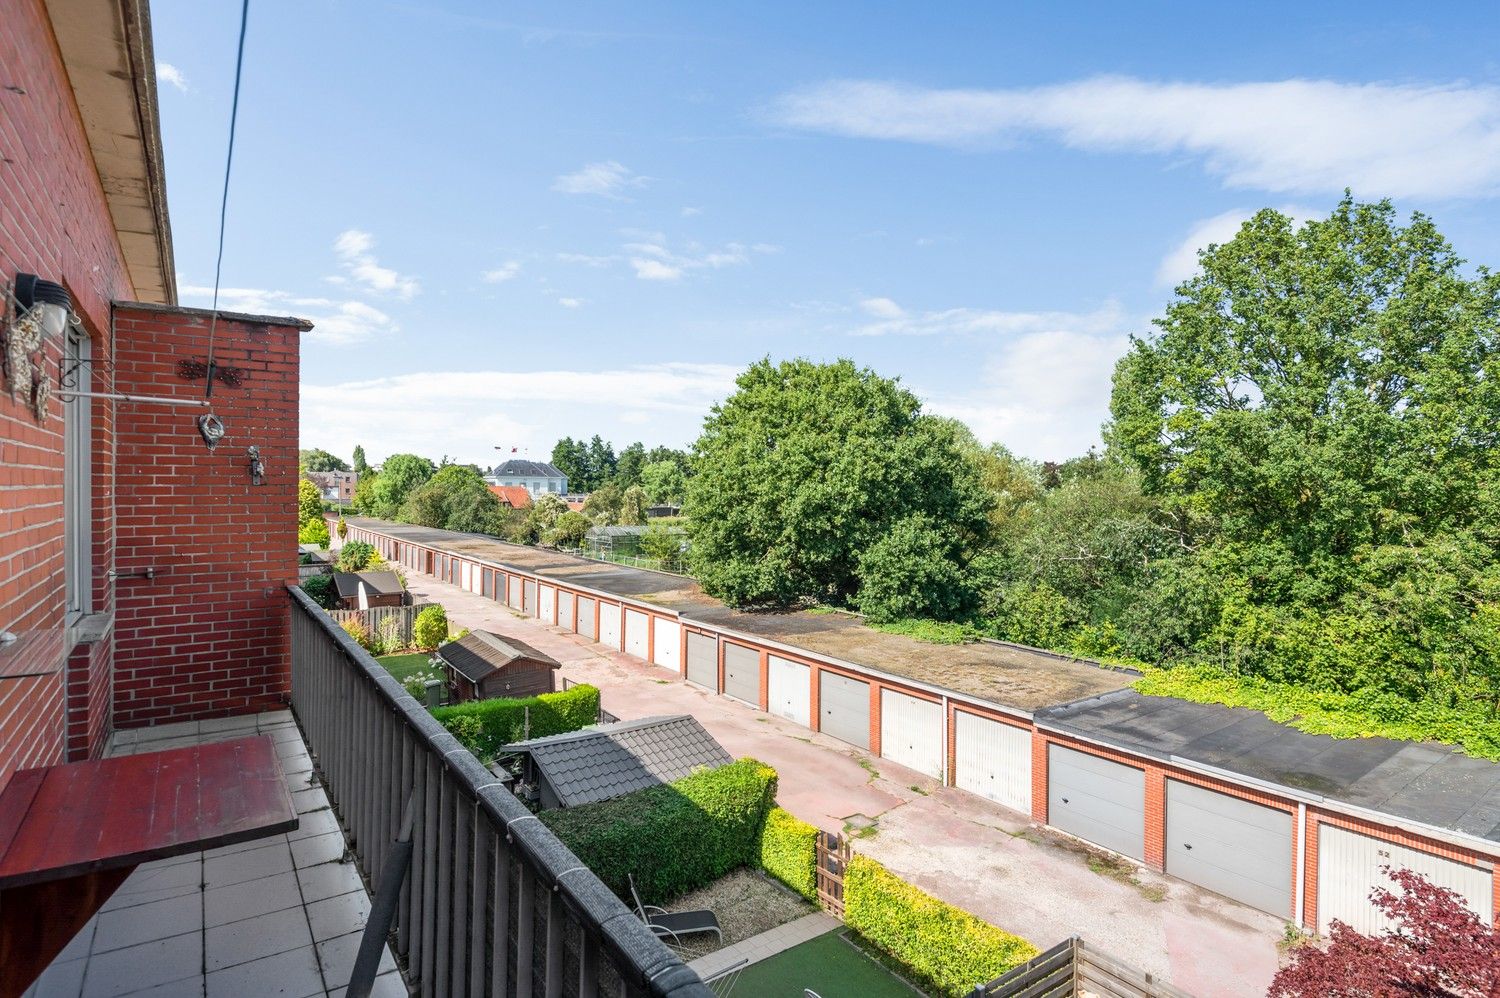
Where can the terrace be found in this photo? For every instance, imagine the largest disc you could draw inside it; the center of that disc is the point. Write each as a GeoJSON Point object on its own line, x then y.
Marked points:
{"type": "Point", "coordinates": [492, 903]}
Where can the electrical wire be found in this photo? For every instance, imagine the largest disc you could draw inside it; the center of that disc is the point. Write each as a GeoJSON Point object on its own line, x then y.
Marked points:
{"type": "Point", "coordinates": [234, 111]}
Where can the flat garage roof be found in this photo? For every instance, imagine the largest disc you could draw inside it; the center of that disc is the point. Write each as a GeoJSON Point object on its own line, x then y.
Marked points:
{"type": "Point", "coordinates": [1430, 783]}
{"type": "Point", "coordinates": [1006, 675]}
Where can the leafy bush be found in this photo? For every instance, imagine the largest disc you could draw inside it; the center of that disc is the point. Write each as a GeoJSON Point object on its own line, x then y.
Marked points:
{"type": "Point", "coordinates": [914, 570]}
{"type": "Point", "coordinates": [789, 852]}
{"type": "Point", "coordinates": [672, 838]}
{"type": "Point", "coordinates": [355, 556]}
{"type": "Point", "coordinates": [320, 590]}
{"type": "Point", "coordinates": [343, 528]}
{"type": "Point", "coordinates": [504, 720]}
{"type": "Point", "coordinates": [430, 629]}
{"type": "Point", "coordinates": [313, 532]}
{"type": "Point", "coordinates": [569, 530]}
{"type": "Point", "coordinates": [391, 635]}
{"type": "Point", "coordinates": [357, 630]}
{"type": "Point", "coordinates": [948, 950]}
{"type": "Point", "coordinates": [309, 502]}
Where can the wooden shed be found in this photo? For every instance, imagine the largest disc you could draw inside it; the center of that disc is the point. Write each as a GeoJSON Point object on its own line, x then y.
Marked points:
{"type": "Point", "coordinates": [482, 666]}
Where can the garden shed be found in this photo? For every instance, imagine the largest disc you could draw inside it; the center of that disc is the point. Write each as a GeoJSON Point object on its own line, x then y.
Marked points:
{"type": "Point", "coordinates": [362, 590]}
{"type": "Point", "coordinates": [482, 666]}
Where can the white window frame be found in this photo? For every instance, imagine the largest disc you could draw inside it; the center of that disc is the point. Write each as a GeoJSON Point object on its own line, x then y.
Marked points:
{"type": "Point", "coordinates": [78, 486]}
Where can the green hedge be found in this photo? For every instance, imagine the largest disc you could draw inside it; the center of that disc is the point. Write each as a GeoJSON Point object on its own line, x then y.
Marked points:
{"type": "Point", "coordinates": [499, 722]}
{"type": "Point", "coordinates": [789, 852]}
{"type": "Point", "coordinates": [676, 837]}
{"type": "Point", "coordinates": [948, 950]}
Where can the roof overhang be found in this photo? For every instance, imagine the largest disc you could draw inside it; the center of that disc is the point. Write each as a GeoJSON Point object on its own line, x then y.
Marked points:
{"type": "Point", "coordinates": [106, 48]}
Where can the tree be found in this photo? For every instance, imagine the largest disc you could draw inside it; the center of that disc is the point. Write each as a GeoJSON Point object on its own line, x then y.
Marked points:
{"type": "Point", "coordinates": [633, 505]}
{"type": "Point", "coordinates": [313, 532]}
{"type": "Point", "coordinates": [664, 481]}
{"type": "Point", "coordinates": [542, 515]}
{"type": "Point", "coordinates": [309, 502]}
{"type": "Point", "coordinates": [1437, 947]}
{"type": "Point", "coordinates": [343, 528]}
{"type": "Point", "coordinates": [430, 629]}
{"type": "Point", "coordinates": [320, 589]}
{"type": "Point", "coordinates": [569, 530]}
{"type": "Point", "coordinates": [356, 556]}
{"type": "Point", "coordinates": [601, 463]}
{"type": "Point", "coordinates": [571, 457]}
{"type": "Point", "coordinates": [400, 476]}
{"type": "Point", "coordinates": [455, 498]}
{"type": "Point", "coordinates": [629, 464]}
{"type": "Point", "coordinates": [603, 505]}
{"type": "Point", "coordinates": [318, 459]}
{"type": "Point", "coordinates": [363, 499]}
{"type": "Point", "coordinates": [913, 570]}
{"type": "Point", "coordinates": [807, 466]}
{"type": "Point", "coordinates": [661, 544]}
{"type": "Point", "coordinates": [360, 466]}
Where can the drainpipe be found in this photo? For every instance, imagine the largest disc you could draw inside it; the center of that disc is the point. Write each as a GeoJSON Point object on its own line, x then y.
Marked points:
{"type": "Point", "coordinates": [1299, 869]}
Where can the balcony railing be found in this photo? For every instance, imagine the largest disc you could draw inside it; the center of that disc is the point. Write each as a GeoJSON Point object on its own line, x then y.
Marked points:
{"type": "Point", "coordinates": [493, 904]}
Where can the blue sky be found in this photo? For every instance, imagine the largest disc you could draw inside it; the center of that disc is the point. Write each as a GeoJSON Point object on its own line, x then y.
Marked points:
{"type": "Point", "coordinates": [512, 222]}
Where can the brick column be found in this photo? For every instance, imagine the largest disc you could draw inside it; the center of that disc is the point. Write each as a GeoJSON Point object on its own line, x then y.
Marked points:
{"type": "Point", "coordinates": [815, 699]}
{"type": "Point", "coordinates": [875, 718]}
{"type": "Point", "coordinates": [1156, 818]}
{"type": "Point", "coordinates": [765, 680]}
{"type": "Point", "coordinates": [1038, 776]}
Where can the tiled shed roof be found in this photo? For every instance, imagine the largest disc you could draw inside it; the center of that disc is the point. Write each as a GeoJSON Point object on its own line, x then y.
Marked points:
{"type": "Point", "coordinates": [612, 760]}
{"type": "Point", "coordinates": [480, 653]}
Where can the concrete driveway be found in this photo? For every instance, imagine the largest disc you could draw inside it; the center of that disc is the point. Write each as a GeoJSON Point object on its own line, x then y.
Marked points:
{"type": "Point", "coordinates": [969, 852]}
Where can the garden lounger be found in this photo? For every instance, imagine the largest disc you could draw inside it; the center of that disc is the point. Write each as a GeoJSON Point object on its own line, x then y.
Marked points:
{"type": "Point", "coordinates": [671, 926]}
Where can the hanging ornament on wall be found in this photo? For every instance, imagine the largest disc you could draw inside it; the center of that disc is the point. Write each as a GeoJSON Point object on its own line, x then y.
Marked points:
{"type": "Point", "coordinates": [211, 429]}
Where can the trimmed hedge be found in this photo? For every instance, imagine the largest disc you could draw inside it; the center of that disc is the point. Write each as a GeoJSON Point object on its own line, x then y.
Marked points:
{"type": "Point", "coordinates": [789, 852]}
{"type": "Point", "coordinates": [676, 837]}
{"type": "Point", "coordinates": [503, 721]}
{"type": "Point", "coordinates": [947, 949]}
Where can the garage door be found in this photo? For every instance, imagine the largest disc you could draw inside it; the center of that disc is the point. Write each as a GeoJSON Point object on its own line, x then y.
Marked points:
{"type": "Point", "coordinates": [668, 644]}
{"type": "Point", "coordinates": [844, 708]}
{"type": "Point", "coordinates": [586, 609]}
{"type": "Point", "coordinates": [1097, 800]}
{"type": "Point", "coordinates": [1349, 869]}
{"type": "Point", "coordinates": [531, 600]}
{"type": "Point", "coordinates": [464, 572]}
{"type": "Point", "coordinates": [742, 673]}
{"type": "Point", "coordinates": [488, 585]}
{"type": "Point", "coordinates": [609, 625]}
{"type": "Point", "coordinates": [992, 759]}
{"type": "Point", "coordinates": [548, 603]}
{"type": "Point", "coordinates": [636, 639]}
{"type": "Point", "coordinates": [703, 661]}
{"type": "Point", "coordinates": [513, 589]}
{"type": "Point", "coordinates": [565, 610]}
{"type": "Point", "coordinates": [911, 732]}
{"type": "Point", "coordinates": [1230, 846]}
{"type": "Point", "coordinates": [790, 688]}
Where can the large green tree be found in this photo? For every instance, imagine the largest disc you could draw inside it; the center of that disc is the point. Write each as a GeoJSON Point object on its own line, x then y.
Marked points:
{"type": "Point", "coordinates": [664, 481]}
{"type": "Point", "coordinates": [318, 459]}
{"type": "Point", "coordinates": [571, 457]}
{"type": "Point", "coordinates": [400, 476]}
{"type": "Point", "coordinates": [806, 467]}
{"type": "Point", "coordinates": [628, 467]}
{"type": "Point", "coordinates": [360, 465]}
{"type": "Point", "coordinates": [455, 498]}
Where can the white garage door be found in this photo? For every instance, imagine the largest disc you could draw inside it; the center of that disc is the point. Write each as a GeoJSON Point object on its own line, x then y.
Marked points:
{"type": "Point", "coordinates": [668, 647]}
{"type": "Point", "coordinates": [790, 690]}
{"type": "Point", "coordinates": [1231, 846]}
{"type": "Point", "coordinates": [566, 611]}
{"type": "Point", "coordinates": [531, 600]}
{"type": "Point", "coordinates": [464, 571]}
{"type": "Point", "coordinates": [1349, 869]}
{"type": "Point", "coordinates": [844, 704]}
{"type": "Point", "coordinates": [609, 625]}
{"type": "Point", "coordinates": [911, 732]}
{"type": "Point", "coordinates": [742, 673]}
{"type": "Point", "coordinates": [586, 609]}
{"type": "Point", "coordinates": [549, 604]}
{"type": "Point", "coordinates": [992, 759]}
{"type": "Point", "coordinates": [476, 579]}
{"type": "Point", "coordinates": [1097, 800]}
{"type": "Point", "coordinates": [636, 623]}
{"type": "Point", "coordinates": [513, 591]}
{"type": "Point", "coordinates": [703, 661]}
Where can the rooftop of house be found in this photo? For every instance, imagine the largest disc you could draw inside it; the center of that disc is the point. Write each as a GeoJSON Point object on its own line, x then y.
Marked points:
{"type": "Point", "coordinates": [379, 583]}
{"type": "Point", "coordinates": [480, 654]}
{"type": "Point", "coordinates": [1434, 784]}
{"type": "Point", "coordinates": [611, 760]}
{"type": "Point", "coordinates": [514, 496]}
{"type": "Point", "coordinates": [517, 468]}
{"type": "Point", "coordinates": [1009, 675]}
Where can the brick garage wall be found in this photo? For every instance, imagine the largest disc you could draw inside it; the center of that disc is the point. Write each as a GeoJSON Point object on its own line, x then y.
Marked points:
{"type": "Point", "coordinates": [55, 223]}
{"type": "Point", "coordinates": [208, 636]}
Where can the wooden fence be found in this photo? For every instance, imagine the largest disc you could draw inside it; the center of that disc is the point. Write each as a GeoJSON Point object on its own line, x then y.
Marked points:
{"type": "Point", "coordinates": [1073, 969]}
{"type": "Point", "coordinates": [833, 860]}
{"type": "Point", "coordinates": [376, 616]}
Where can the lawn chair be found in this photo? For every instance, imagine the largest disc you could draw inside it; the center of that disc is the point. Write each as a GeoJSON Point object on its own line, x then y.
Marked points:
{"type": "Point", "coordinates": [672, 926]}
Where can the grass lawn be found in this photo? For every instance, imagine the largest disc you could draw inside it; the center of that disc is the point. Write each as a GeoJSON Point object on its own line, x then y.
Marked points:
{"type": "Point", "coordinates": [827, 965]}
{"type": "Point", "coordinates": [402, 666]}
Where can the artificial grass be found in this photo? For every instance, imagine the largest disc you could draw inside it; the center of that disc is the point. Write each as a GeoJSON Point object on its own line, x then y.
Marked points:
{"type": "Point", "coordinates": [828, 965]}
{"type": "Point", "coordinates": [401, 666]}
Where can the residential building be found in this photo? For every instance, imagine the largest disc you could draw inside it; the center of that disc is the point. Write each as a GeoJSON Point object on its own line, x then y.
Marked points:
{"type": "Point", "coordinates": [512, 496]}
{"type": "Point", "coordinates": [482, 666]}
{"type": "Point", "coordinates": [335, 486]}
{"type": "Point", "coordinates": [536, 477]}
{"type": "Point", "coordinates": [145, 617]}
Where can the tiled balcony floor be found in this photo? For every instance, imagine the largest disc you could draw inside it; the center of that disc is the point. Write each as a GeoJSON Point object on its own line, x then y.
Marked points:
{"type": "Point", "coordinates": [277, 916]}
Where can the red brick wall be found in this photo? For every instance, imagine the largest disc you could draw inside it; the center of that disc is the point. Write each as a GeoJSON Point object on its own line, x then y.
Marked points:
{"type": "Point", "coordinates": [54, 222]}
{"type": "Point", "coordinates": [208, 636]}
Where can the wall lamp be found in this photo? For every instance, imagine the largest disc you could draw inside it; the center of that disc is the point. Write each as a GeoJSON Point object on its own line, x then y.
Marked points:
{"type": "Point", "coordinates": [34, 310]}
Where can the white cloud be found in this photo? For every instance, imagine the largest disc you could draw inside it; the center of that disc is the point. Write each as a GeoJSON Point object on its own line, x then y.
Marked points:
{"type": "Point", "coordinates": [882, 308]}
{"type": "Point", "coordinates": [607, 179]}
{"type": "Point", "coordinates": [1381, 139]}
{"type": "Point", "coordinates": [502, 273]}
{"type": "Point", "coordinates": [336, 323]}
{"type": "Point", "coordinates": [654, 261]}
{"type": "Point", "coordinates": [691, 211]}
{"type": "Point", "coordinates": [890, 319]}
{"type": "Point", "coordinates": [570, 302]}
{"type": "Point", "coordinates": [1182, 261]}
{"type": "Point", "coordinates": [168, 73]}
{"type": "Point", "coordinates": [587, 260]}
{"type": "Point", "coordinates": [654, 270]}
{"type": "Point", "coordinates": [355, 251]}
{"type": "Point", "coordinates": [473, 411]}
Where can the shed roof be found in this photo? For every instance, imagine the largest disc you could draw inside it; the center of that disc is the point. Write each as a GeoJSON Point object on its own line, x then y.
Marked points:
{"type": "Point", "coordinates": [379, 583]}
{"type": "Point", "coordinates": [1434, 784]}
{"type": "Point", "coordinates": [480, 654]}
{"type": "Point", "coordinates": [612, 760]}
{"type": "Point", "coordinates": [528, 469]}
